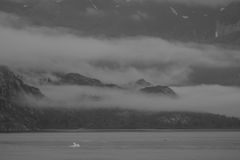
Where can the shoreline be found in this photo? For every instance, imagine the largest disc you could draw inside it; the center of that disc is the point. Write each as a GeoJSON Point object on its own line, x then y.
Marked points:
{"type": "Point", "coordinates": [121, 130]}
{"type": "Point", "coordinates": [139, 130]}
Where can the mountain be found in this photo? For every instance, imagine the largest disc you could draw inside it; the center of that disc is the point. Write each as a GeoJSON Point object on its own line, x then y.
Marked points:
{"type": "Point", "coordinates": [12, 87]}
{"type": "Point", "coordinates": [146, 87]}
{"type": "Point", "coordinates": [159, 90]}
{"type": "Point", "coordinates": [22, 117]}
{"type": "Point", "coordinates": [117, 18]}
{"type": "Point", "coordinates": [14, 116]}
{"type": "Point", "coordinates": [121, 18]}
{"type": "Point", "coordinates": [78, 79]}
{"type": "Point", "coordinates": [142, 82]}
{"type": "Point", "coordinates": [138, 84]}
{"type": "Point", "coordinates": [81, 80]}
{"type": "Point", "coordinates": [228, 24]}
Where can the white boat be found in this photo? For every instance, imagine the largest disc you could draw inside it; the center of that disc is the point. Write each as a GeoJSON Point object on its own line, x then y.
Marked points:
{"type": "Point", "coordinates": [74, 145]}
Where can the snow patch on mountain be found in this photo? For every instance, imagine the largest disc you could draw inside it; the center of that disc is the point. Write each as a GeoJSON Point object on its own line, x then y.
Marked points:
{"type": "Point", "coordinates": [216, 34]}
{"type": "Point", "coordinates": [93, 4]}
{"type": "Point", "coordinates": [174, 11]}
{"type": "Point", "coordinates": [222, 9]}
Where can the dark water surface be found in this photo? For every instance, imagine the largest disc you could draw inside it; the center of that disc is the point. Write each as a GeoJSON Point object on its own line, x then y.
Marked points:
{"type": "Point", "coordinates": [121, 146]}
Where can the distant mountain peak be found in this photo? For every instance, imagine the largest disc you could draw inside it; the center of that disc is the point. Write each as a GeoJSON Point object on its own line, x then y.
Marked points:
{"type": "Point", "coordinates": [78, 79]}
{"type": "Point", "coordinates": [140, 83]}
{"type": "Point", "coordinates": [81, 80]}
{"type": "Point", "coordinates": [143, 82]}
{"type": "Point", "coordinates": [161, 90]}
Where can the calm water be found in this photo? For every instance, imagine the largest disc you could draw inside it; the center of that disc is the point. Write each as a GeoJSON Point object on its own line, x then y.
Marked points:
{"type": "Point", "coordinates": [121, 146]}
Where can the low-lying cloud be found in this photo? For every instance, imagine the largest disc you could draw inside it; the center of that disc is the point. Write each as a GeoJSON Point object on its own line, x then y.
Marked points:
{"type": "Point", "coordinates": [112, 60]}
{"type": "Point", "coordinates": [214, 99]}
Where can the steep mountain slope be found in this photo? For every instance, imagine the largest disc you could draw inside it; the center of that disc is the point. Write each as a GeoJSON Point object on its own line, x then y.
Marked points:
{"type": "Point", "coordinates": [12, 87]}
{"type": "Point", "coordinates": [14, 116]}
{"type": "Point", "coordinates": [113, 18]}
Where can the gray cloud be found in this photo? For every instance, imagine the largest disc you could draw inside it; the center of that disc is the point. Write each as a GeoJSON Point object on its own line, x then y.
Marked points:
{"type": "Point", "coordinates": [115, 60]}
{"type": "Point", "coordinates": [120, 61]}
{"type": "Point", "coordinates": [214, 99]}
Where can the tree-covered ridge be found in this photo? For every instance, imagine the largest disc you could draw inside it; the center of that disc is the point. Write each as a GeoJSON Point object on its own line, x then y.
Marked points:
{"type": "Point", "coordinates": [16, 118]}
